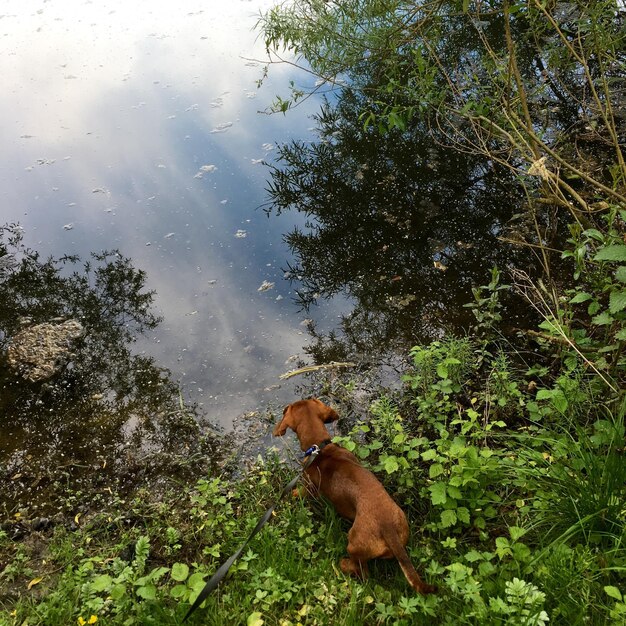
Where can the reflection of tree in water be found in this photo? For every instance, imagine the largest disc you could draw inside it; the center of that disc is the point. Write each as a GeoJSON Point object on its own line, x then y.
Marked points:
{"type": "Point", "coordinates": [109, 419]}
{"type": "Point", "coordinates": [402, 225]}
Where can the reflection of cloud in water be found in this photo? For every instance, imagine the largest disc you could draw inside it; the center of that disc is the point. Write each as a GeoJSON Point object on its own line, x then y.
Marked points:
{"type": "Point", "coordinates": [234, 347]}
{"type": "Point", "coordinates": [112, 154]}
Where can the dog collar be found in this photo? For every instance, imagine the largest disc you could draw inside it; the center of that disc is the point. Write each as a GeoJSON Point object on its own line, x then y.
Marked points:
{"type": "Point", "coordinates": [316, 449]}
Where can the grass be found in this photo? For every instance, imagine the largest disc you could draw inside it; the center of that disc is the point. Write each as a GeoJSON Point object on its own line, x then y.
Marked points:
{"type": "Point", "coordinates": [143, 562]}
{"type": "Point", "coordinates": [288, 573]}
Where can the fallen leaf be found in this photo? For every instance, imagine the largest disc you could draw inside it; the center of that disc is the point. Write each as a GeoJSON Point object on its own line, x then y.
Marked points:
{"type": "Point", "coordinates": [34, 581]}
{"type": "Point", "coordinates": [538, 168]}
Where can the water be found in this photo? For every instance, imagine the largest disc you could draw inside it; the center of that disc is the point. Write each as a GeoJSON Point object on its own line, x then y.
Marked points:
{"type": "Point", "coordinates": [136, 126]}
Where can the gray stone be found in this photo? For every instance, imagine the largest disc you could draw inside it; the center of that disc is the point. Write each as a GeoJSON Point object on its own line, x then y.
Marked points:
{"type": "Point", "coordinates": [39, 352]}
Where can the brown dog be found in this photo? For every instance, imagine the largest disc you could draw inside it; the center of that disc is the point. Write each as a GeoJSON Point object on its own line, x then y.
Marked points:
{"type": "Point", "coordinates": [380, 529]}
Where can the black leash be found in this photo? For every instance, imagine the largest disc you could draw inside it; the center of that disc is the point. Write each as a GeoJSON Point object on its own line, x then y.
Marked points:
{"type": "Point", "coordinates": [310, 455]}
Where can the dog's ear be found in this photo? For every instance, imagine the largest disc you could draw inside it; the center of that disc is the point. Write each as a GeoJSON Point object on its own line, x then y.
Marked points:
{"type": "Point", "coordinates": [325, 413]}
{"type": "Point", "coordinates": [330, 415]}
{"type": "Point", "coordinates": [281, 428]}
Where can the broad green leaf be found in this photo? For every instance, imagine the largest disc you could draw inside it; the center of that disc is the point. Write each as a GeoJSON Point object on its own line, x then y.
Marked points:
{"type": "Point", "coordinates": [463, 514]}
{"type": "Point", "coordinates": [594, 234]}
{"type": "Point", "coordinates": [442, 371]}
{"type": "Point", "coordinates": [118, 592]}
{"type": "Point", "coordinates": [580, 297]}
{"type": "Point", "coordinates": [560, 401]}
{"type": "Point", "coordinates": [147, 593]}
{"type": "Point", "coordinates": [545, 394]}
{"type": "Point", "coordinates": [438, 493]}
{"type": "Point", "coordinates": [503, 547]}
{"type": "Point", "coordinates": [255, 619]}
{"type": "Point", "coordinates": [196, 582]}
{"type": "Point", "coordinates": [610, 348]}
{"type": "Point", "coordinates": [454, 492]}
{"type": "Point", "coordinates": [391, 464]}
{"type": "Point", "coordinates": [178, 591]}
{"type": "Point", "coordinates": [101, 583]}
{"type": "Point", "coordinates": [615, 252]}
{"type": "Point", "coordinates": [549, 325]}
{"type": "Point", "coordinates": [603, 319]}
{"type": "Point", "coordinates": [436, 469]}
{"type": "Point", "coordinates": [157, 573]}
{"type": "Point", "coordinates": [521, 552]}
{"type": "Point", "coordinates": [180, 571]}
{"type": "Point", "coordinates": [516, 532]}
{"type": "Point", "coordinates": [473, 555]}
{"type": "Point", "coordinates": [456, 481]}
{"type": "Point", "coordinates": [620, 273]}
{"type": "Point", "coordinates": [448, 518]}
{"type": "Point", "coordinates": [594, 307]}
{"type": "Point", "coordinates": [486, 568]}
{"type": "Point", "coordinates": [617, 301]}
{"type": "Point", "coordinates": [614, 592]}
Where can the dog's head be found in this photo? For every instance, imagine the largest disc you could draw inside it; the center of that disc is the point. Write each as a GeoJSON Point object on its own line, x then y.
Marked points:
{"type": "Point", "coordinates": [304, 411]}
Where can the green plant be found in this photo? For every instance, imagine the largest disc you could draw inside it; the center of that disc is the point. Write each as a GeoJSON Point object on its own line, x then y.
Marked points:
{"type": "Point", "coordinates": [578, 480]}
{"type": "Point", "coordinates": [440, 367]}
{"type": "Point", "coordinates": [18, 567]}
{"type": "Point", "coordinates": [618, 610]}
{"type": "Point", "coordinates": [487, 305]}
{"type": "Point", "coordinates": [385, 442]}
{"type": "Point", "coordinates": [522, 605]}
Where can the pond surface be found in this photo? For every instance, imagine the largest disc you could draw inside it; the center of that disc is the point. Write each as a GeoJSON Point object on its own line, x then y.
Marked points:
{"type": "Point", "coordinates": [141, 130]}
{"type": "Point", "coordinates": [138, 127]}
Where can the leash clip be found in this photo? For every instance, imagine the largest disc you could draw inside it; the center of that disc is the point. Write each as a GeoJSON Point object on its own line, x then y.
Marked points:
{"type": "Point", "coordinates": [313, 450]}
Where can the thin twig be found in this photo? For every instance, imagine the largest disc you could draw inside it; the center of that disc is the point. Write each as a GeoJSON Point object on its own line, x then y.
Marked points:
{"type": "Point", "coordinates": [314, 368]}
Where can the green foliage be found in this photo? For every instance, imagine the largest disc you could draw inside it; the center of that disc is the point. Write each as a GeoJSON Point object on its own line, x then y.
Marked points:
{"type": "Point", "coordinates": [523, 604]}
{"type": "Point", "coordinates": [511, 80]}
{"type": "Point", "coordinates": [600, 294]}
{"type": "Point", "coordinates": [487, 306]}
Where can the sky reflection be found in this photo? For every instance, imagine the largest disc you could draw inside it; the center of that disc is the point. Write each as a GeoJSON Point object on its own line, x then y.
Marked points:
{"type": "Point", "coordinates": [136, 126]}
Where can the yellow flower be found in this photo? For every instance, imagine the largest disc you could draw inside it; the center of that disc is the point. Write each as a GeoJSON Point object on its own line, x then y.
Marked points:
{"type": "Point", "coordinates": [92, 620]}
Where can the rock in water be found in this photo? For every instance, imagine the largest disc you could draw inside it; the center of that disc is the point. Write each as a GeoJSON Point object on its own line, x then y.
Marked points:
{"type": "Point", "coordinates": [39, 352]}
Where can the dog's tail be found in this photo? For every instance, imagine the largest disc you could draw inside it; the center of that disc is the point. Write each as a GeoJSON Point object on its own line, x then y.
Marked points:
{"type": "Point", "coordinates": [399, 551]}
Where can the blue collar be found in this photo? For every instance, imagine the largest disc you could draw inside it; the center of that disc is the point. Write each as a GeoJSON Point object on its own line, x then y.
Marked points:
{"type": "Point", "coordinates": [316, 449]}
